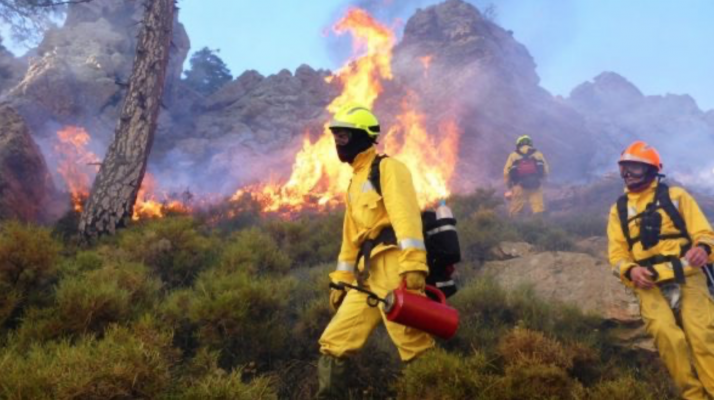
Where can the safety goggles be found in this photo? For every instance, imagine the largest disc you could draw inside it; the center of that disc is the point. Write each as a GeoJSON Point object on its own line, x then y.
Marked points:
{"type": "Point", "coordinates": [633, 170]}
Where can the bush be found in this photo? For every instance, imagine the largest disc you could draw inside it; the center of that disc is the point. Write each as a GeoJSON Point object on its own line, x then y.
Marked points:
{"type": "Point", "coordinates": [172, 247]}
{"type": "Point", "coordinates": [523, 347]}
{"type": "Point", "coordinates": [236, 313]}
{"type": "Point", "coordinates": [310, 240]}
{"type": "Point", "coordinates": [439, 375]}
{"type": "Point", "coordinates": [480, 232]}
{"type": "Point", "coordinates": [538, 382]}
{"type": "Point", "coordinates": [126, 363]}
{"type": "Point", "coordinates": [28, 265]}
{"type": "Point", "coordinates": [544, 235]}
{"type": "Point", "coordinates": [205, 380]}
{"type": "Point", "coordinates": [625, 388]}
{"type": "Point", "coordinates": [256, 251]}
{"type": "Point", "coordinates": [88, 303]}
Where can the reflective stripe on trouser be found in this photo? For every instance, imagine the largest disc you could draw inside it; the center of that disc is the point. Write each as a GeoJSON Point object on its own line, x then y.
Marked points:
{"type": "Point", "coordinates": [520, 196]}
{"type": "Point", "coordinates": [697, 317]}
{"type": "Point", "coordinates": [355, 319]}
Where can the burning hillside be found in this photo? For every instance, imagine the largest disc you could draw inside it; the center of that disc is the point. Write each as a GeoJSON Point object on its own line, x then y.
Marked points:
{"type": "Point", "coordinates": [318, 178]}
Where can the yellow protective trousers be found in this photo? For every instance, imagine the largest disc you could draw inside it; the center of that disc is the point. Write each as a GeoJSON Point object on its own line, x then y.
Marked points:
{"type": "Point", "coordinates": [692, 343]}
{"type": "Point", "coordinates": [520, 196]}
{"type": "Point", "coordinates": [355, 319]}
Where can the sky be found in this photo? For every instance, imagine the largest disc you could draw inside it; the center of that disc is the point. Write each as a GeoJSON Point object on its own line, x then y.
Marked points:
{"type": "Point", "coordinates": [662, 46]}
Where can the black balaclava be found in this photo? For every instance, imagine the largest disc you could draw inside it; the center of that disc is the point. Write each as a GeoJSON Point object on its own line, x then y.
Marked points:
{"type": "Point", "coordinates": [359, 142]}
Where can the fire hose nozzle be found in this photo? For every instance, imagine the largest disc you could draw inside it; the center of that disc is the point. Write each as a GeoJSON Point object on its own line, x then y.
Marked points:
{"type": "Point", "coordinates": [372, 298]}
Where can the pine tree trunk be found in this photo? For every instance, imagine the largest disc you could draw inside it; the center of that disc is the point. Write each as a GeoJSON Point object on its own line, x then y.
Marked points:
{"type": "Point", "coordinates": [111, 201]}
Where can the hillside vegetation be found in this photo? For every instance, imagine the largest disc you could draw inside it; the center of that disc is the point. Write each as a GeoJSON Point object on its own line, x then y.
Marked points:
{"type": "Point", "coordinates": [189, 308]}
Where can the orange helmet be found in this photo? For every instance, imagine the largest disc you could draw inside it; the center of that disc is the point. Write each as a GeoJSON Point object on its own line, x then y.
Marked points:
{"type": "Point", "coordinates": [641, 152]}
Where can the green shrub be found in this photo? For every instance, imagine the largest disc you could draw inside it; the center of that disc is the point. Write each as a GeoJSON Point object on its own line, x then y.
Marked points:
{"type": "Point", "coordinates": [524, 347]}
{"type": "Point", "coordinates": [485, 315]}
{"type": "Point", "coordinates": [440, 375]}
{"type": "Point", "coordinates": [480, 232]}
{"type": "Point", "coordinates": [203, 379]}
{"type": "Point", "coordinates": [309, 240]}
{"type": "Point", "coordinates": [28, 265]}
{"type": "Point", "coordinates": [624, 388]}
{"type": "Point", "coordinates": [254, 250]}
{"type": "Point", "coordinates": [172, 247]}
{"type": "Point", "coordinates": [544, 234]}
{"type": "Point", "coordinates": [89, 302]}
{"type": "Point", "coordinates": [539, 381]}
{"type": "Point", "coordinates": [237, 313]}
{"type": "Point", "coordinates": [126, 363]}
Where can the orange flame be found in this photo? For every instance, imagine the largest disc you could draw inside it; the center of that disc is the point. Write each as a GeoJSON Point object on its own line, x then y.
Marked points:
{"type": "Point", "coordinates": [318, 177]}
{"type": "Point", "coordinates": [148, 206]}
{"type": "Point", "coordinates": [431, 163]}
{"type": "Point", "coordinates": [76, 164]}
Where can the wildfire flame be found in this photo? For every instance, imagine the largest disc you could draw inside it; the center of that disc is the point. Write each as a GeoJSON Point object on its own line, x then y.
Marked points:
{"type": "Point", "coordinates": [76, 164]}
{"type": "Point", "coordinates": [318, 178]}
{"type": "Point", "coordinates": [431, 163]}
{"type": "Point", "coordinates": [149, 206]}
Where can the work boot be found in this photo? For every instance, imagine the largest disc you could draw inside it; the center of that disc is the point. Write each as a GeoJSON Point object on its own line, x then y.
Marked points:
{"type": "Point", "coordinates": [331, 377]}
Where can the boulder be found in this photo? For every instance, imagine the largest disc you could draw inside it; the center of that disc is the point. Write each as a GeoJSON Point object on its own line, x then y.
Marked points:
{"type": "Point", "coordinates": [579, 280]}
{"type": "Point", "coordinates": [26, 187]}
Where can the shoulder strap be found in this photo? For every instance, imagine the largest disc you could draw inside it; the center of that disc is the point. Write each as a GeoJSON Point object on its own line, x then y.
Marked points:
{"type": "Point", "coordinates": [624, 221]}
{"type": "Point", "coordinates": [375, 175]}
{"type": "Point", "coordinates": [665, 201]}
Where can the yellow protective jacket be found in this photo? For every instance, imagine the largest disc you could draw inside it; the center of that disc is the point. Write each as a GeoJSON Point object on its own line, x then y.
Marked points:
{"type": "Point", "coordinates": [622, 259]}
{"type": "Point", "coordinates": [515, 156]}
{"type": "Point", "coordinates": [368, 213]}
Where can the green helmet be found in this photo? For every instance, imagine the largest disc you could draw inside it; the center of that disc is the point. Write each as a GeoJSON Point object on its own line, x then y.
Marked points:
{"type": "Point", "coordinates": [524, 140]}
{"type": "Point", "coordinates": [354, 116]}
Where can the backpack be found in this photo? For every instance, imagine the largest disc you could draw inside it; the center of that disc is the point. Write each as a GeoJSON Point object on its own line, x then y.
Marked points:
{"type": "Point", "coordinates": [440, 238]}
{"type": "Point", "coordinates": [527, 171]}
{"type": "Point", "coordinates": [650, 232]}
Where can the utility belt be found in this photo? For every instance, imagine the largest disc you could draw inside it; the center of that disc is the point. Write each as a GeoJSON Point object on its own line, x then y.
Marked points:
{"type": "Point", "coordinates": [386, 237]}
{"type": "Point", "coordinates": [663, 274]}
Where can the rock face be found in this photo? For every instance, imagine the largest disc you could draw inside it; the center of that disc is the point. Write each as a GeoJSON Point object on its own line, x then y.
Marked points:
{"type": "Point", "coordinates": [574, 278]}
{"type": "Point", "coordinates": [479, 72]}
{"type": "Point", "coordinates": [252, 125]}
{"type": "Point", "coordinates": [618, 113]}
{"type": "Point", "coordinates": [78, 72]}
{"type": "Point", "coordinates": [580, 280]}
{"type": "Point", "coordinates": [26, 187]}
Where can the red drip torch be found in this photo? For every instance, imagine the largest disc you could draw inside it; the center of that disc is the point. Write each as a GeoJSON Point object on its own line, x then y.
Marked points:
{"type": "Point", "coordinates": [414, 310]}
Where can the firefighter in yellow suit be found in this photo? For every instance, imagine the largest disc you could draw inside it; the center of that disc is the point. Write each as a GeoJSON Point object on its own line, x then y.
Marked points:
{"type": "Point", "coordinates": [679, 315]}
{"type": "Point", "coordinates": [355, 130]}
{"type": "Point", "coordinates": [525, 188]}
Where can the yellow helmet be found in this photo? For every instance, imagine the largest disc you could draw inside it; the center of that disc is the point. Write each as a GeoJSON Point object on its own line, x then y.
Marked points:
{"type": "Point", "coordinates": [524, 140]}
{"type": "Point", "coordinates": [354, 116]}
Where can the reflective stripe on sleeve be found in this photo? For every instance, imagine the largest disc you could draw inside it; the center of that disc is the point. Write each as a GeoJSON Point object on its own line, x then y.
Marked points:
{"type": "Point", "coordinates": [347, 266]}
{"type": "Point", "coordinates": [405, 244]}
{"type": "Point", "coordinates": [441, 229]}
{"type": "Point", "coordinates": [445, 283]}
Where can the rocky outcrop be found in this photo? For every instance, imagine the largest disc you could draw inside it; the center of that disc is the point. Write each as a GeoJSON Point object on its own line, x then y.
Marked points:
{"type": "Point", "coordinates": [79, 72]}
{"type": "Point", "coordinates": [478, 72]}
{"type": "Point", "coordinates": [252, 121]}
{"type": "Point", "coordinates": [619, 113]}
{"type": "Point", "coordinates": [11, 69]}
{"type": "Point", "coordinates": [26, 187]}
{"type": "Point", "coordinates": [580, 280]}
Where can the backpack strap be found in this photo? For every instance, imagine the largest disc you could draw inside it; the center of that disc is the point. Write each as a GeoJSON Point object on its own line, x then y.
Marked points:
{"type": "Point", "coordinates": [374, 173]}
{"type": "Point", "coordinates": [665, 201]}
{"type": "Point", "coordinates": [624, 221]}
